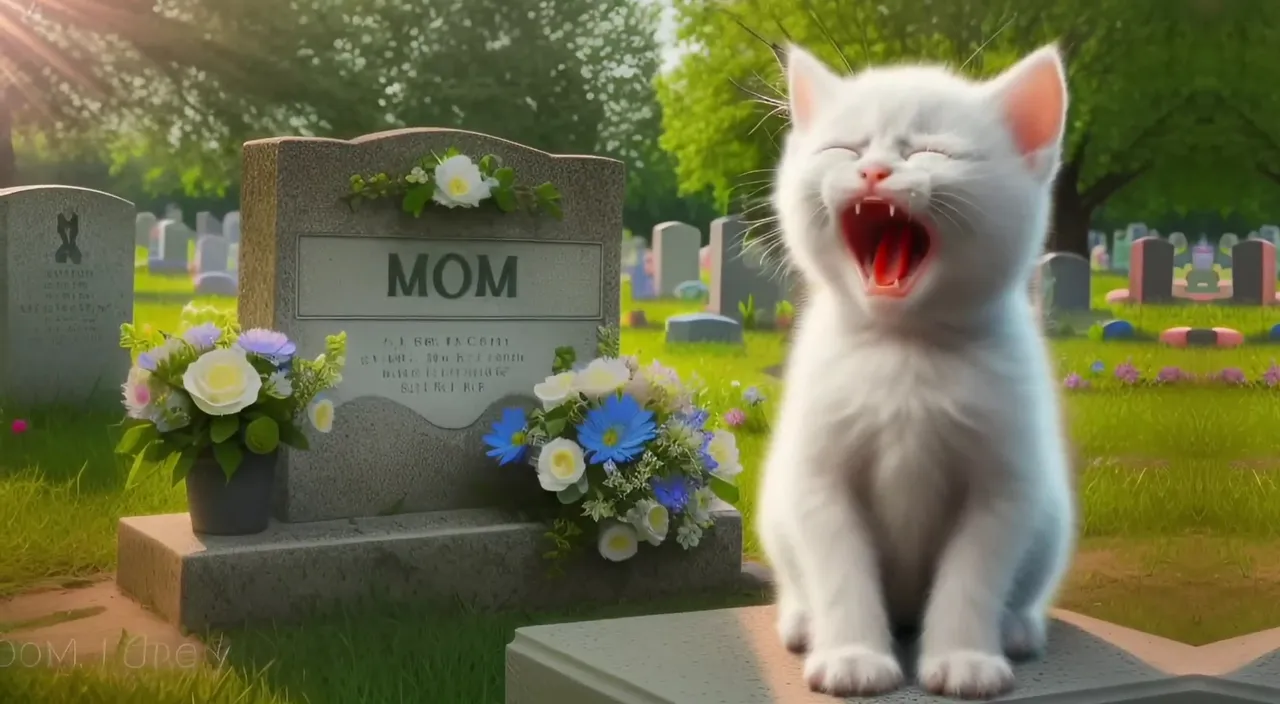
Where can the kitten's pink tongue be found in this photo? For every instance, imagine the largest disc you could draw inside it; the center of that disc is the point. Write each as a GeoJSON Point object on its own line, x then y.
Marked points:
{"type": "Point", "coordinates": [892, 261]}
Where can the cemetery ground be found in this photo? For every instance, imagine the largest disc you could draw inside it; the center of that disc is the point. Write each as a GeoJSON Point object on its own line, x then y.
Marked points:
{"type": "Point", "coordinates": [1179, 488]}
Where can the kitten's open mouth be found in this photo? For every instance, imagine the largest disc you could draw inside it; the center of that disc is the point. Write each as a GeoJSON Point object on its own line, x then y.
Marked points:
{"type": "Point", "coordinates": [890, 247]}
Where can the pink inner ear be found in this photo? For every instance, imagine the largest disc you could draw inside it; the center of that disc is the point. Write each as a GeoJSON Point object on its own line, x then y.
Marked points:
{"type": "Point", "coordinates": [1034, 106]}
{"type": "Point", "coordinates": [801, 99]}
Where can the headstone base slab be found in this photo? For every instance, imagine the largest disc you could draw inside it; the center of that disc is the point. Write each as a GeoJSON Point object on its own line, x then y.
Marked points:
{"type": "Point", "coordinates": [482, 557]}
{"type": "Point", "coordinates": [733, 655]}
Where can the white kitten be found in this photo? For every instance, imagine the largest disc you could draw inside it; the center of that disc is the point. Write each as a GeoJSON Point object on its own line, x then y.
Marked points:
{"type": "Point", "coordinates": [918, 475]}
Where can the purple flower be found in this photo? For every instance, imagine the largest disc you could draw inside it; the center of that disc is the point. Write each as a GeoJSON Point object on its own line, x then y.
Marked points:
{"type": "Point", "coordinates": [1271, 377]}
{"type": "Point", "coordinates": [1127, 373]}
{"type": "Point", "coordinates": [1097, 367]}
{"type": "Point", "coordinates": [1170, 375]}
{"type": "Point", "coordinates": [203, 337]}
{"type": "Point", "coordinates": [268, 344]}
{"type": "Point", "coordinates": [1075, 381]}
{"type": "Point", "coordinates": [752, 396]}
{"type": "Point", "coordinates": [735, 417]}
{"type": "Point", "coordinates": [1233, 375]}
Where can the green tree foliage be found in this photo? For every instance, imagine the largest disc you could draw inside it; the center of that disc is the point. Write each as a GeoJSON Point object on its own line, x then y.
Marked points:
{"type": "Point", "coordinates": [1145, 76]}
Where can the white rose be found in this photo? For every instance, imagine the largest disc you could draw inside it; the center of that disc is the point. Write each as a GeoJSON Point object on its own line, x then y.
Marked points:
{"type": "Point", "coordinates": [460, 183]}
{"type": "Point", "coordinates": [320, 413]}
{"type": "Point", "coordinates": [560, 464]}
{"type": "Point", "coordinates": [222, 382]}
{"type": "Point", "coordinates": [651, 519]}
{"type": "Point", "coordinates": [602, 377]}
{"type": "Point", "coordinates": [555, 390]}
{"type": "Point", "coordinates": [617, 541]}
{"type": "Point", "coordinates": [723, 448]}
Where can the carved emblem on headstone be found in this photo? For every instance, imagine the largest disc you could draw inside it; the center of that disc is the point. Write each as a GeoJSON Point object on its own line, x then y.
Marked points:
{"type": "Point", "coordinates": [68, 230]}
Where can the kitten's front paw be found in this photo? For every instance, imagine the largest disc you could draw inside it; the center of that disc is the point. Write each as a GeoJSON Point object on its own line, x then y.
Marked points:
{"type": "Point", "coordinates": [793, 629]}
{"type": "Point", "coordinates": [1023, 635]}
{"type": "Point", "coordinates": [852, 671]}
{"type": "Point", "coordinates": [967, 674]}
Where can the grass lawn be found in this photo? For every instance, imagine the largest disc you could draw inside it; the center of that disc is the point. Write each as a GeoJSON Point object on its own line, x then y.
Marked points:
{"type": "Point", "coordinates": [1180, 488]}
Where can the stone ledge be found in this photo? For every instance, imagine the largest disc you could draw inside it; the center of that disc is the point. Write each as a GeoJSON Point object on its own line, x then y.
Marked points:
{"type": "Point", "coordinates": [485, 558]}
{"type": "Point", "coordinates": [733, 656]}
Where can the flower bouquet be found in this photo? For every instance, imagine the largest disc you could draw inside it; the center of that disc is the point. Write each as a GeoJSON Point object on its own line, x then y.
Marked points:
{"type": "Point", "coordinates": [627, 450]}
{"type": "Point", "coordinates": [212, 405]}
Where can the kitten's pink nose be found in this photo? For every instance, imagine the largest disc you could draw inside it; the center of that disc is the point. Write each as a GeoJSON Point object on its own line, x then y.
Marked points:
{"type": "Point", "coordinates": [875, 173]}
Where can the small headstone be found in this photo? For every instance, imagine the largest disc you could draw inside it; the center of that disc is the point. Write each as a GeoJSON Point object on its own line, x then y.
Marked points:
{"type": "Point", "coordinates": [631, 247]}
{"type": "Point", "coordinates": [1097, 238]}
{"type": "Point", "coordinates": [142, 225]}
{"type": "Point", "coordinates": [68, 258]}
{"type": "Point", "coordinates": [231, 226]}
{"type": "Point", "coordinates": [213, 254]}
{"type": "Point", "coordinates": [216, 283]}
{"type": "Point", "coordinates": [207, 224]}
{"type": "Point", "coordinates": [1270, 233]}
{"type": "Point", "coordinates": [173, 211]}
{"type": "Point", "coordinates": [1181, 249]}
{"type": "Point", "coordinates": [675, 255]}
{"type": "Point", "coordinates": [1253, 273]}
{"type": "Point", "coordinates": [1253, 235]}
{"type": "Point", "coordinates": [170, 247]}
{"type": "Point", "coordinates": [1136, 231]}
{"type": "Point", "coordinates": [1151, 271]}
{"type": "Point", "coordinates": [739, 274]}
{"type": "Point", "coordinates": [1120, 250]}
{"type": "Point", "coordinates": [691, 291]}
{"type": "Point", "coordinates": [1071, 282]}
{"type": "Point", "coordinates": [1117, 330]}
{"type": "Point", "coordinates": [1201, 337]}
{"type": "Point", "coordinates": [1223, 256]}
{"type": "Point", "coordinates": [642, 288]}
{"type": "Point", "coordinates": [703, 327]}
{"type": "Point", "coordinates": [1202, 278]}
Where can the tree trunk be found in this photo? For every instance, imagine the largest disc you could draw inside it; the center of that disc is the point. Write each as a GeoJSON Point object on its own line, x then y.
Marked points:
{"type": "Point", "coordinates": [1069, 229]}
{"type": "Point", "coordinates": [8, 161]}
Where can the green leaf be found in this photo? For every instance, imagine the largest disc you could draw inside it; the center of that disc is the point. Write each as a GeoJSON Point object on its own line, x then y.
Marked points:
{"type": "Point", "coordinates": [416, 199]}
{"type": "Point", "coordinates": [555, 427]}
{"type": "Point", "coordinates": [140, 468]}
{"type": "Point", "coordinates": [506, 177]}
{"type": "Point", "coordinates": [136, 438]}
{"type": "Point", "coordinates": [547, 192]}
{"type": "Point", "coordinates": [182, 466]}
{"type": "Point", "coordinates": [506, 199]}
{"type": "Point", "coordinates": [223, 428]}
{"type": "Point", "coordinates": [262, 436]}
{"type": "Point", "coordinates": [571, 495]}
{"type": "Point", "coordinates": [553, 209]}
{"type": "Point", "coordinates": [727, 492]}
{"type": "Point", "coordinates": [229, 456]}
{"type": "Point", "coordinates": [293, 437]}
{"type": "Point", "coordinates": [487, 164]}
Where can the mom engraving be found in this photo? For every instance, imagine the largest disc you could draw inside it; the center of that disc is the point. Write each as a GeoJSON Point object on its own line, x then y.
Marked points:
{"type": "Point", "coordinates": [425, 277]}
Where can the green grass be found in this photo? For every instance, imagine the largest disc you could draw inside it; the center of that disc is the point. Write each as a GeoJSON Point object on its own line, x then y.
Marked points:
{"type": "Point", "coordinates": [1158, 463]}
{"type": "Point", "coordinates": [1252, 321]}
{"type": "Point", "coordinates": [378, 654]}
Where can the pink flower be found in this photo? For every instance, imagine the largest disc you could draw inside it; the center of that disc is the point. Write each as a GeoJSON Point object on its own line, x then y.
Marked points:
{"type": "Point", "coordinates": [20, 426]}
{"type": "Point", "coordinates": [734, 417]}
{"type": "Point", "coordinates": [1075, 381]}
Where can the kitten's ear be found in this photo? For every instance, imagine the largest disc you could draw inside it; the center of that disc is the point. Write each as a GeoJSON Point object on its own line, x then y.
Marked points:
{"type": "Point", "coordinates": [1032, 96]}
{"type": "Point", "coordinates": [809, 85]}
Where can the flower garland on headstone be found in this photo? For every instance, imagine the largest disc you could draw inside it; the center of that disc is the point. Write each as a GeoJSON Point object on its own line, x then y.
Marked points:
{"type": "Point", "coordinates": [453, 180]}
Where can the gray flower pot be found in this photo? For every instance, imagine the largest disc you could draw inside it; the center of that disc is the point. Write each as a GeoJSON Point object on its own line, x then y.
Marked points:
{"type": "Point", "coordinates": [241, 506]}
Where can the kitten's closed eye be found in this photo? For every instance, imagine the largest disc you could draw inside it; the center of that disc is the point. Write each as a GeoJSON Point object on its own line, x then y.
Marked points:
{"type": "Point", "coordinates": [930, 152]}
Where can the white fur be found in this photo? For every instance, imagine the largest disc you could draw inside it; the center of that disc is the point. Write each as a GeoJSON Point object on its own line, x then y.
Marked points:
{"type": "Point", "coordinates": [917, 475]}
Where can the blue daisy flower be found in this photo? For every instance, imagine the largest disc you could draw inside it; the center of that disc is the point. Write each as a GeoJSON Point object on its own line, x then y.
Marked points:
{"type": "Point", "coordinates": [507, 439]}
{"type": "Point", "coordinates": [672, 492]}
{"type": "Point", "coordinates": [616, 430]}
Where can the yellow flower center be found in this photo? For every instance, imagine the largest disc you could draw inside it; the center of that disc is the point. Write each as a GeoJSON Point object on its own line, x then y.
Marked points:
{"type": "Point", "coordinates": [619, 542]}
{"type": "Point", "coordinates": [222, 377]}
{"type": "Point", "coordinates": [610, 438]}
{"type": "Point", "coordinates": [562, 464]}
{"type": "Point", "coordinates": [457, 186]}
{"type": "Point", "coordinates": [517, 438]}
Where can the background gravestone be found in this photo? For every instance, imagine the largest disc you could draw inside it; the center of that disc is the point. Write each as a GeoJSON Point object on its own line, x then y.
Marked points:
{"type": "Point", "coordinates": [1253, 275]}
{"type": "Point", "coordinates": [143, 223]}
{"type": "Point", "coordinates": [231, 226]}
{"type": "Point", "coordinates": [1071, 277]}
{"type": "Point", "coordinates": [170, 248]}
{"type": "Point", "coordinates": [738, 272]}
{"type": "Point", "coordinates": [675, 256]}
{"type": "Point", "coordinates": [212, 275]}
{"type": "Point", "coordinates": [434, 354]}
{"type": "Point", "coordinates": [1222, 257]}
{"type": "Point", "coordinates": [207, 224]}
{"type": "Point", "coordinates": [1270, 233]}
{"type": "Point", "coordinates": [1121, 248]}
{"type": "Point", "coordinates": [1181, 249]}
{"type": "Point", "coordinates": [66, 288]}
{"type": "Point", "coordinates": [1151, 271]}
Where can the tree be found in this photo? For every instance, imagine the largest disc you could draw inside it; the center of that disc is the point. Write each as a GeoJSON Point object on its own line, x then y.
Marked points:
{"type": "Point", "coordinates": [1140, 72]}
{"type": "Point", "coordinates": [68, 65]}
{"type": "Point", "coordinates": [570, 76]}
